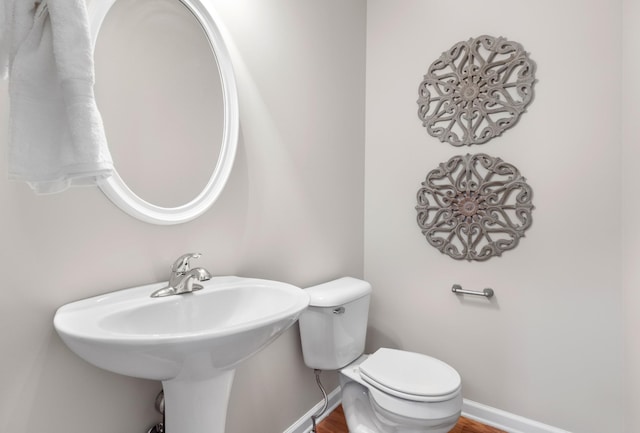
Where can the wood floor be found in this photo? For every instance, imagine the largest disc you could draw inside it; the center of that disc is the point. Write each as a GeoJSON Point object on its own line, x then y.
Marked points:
{"type": "Point", "coordinates": [335, 423]}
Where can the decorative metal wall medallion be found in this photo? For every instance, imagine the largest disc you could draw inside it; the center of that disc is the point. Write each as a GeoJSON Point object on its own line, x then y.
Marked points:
{"type": "Point", "coordinates": [476, 90]}
{"type": "Point", "coordinates": [474, 207]}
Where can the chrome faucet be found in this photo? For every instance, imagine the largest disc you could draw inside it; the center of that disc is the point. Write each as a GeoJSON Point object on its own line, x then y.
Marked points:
{"type": "Point", "coordinates": [182, 278]}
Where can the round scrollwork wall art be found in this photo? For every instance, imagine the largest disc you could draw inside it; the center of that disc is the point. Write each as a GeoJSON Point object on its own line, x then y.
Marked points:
{"type": "Point", "coordinates": [476, 90]}
{"type": "Point", "coordinates": [474, 207]}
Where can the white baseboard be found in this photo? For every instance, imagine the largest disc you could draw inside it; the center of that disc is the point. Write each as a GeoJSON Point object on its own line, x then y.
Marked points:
{"type": "Point", "coordinates": [504, 420]}
{"type": "Point", "coordinates": [304, 425]}
{"type": "Point", "coordinates": [470, 409]}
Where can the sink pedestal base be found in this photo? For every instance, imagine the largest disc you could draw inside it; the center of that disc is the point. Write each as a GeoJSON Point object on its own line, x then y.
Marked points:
{"type": "Point", "coordinates": [197, 405]}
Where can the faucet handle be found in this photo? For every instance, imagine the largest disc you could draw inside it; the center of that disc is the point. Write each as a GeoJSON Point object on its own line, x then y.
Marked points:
{"type": "Point", "coordinates": [182, 263]}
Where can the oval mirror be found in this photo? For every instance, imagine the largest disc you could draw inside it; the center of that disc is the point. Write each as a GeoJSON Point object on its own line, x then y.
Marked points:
{"type": "Point", "coordinates": [166, 90]}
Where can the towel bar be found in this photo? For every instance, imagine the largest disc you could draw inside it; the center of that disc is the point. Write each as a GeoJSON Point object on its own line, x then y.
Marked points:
{"type": "Point", "coordinates": [457, 289]}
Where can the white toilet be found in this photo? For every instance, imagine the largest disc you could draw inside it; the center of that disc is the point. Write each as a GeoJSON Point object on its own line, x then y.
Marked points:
{"type": "Point", "coordinates": [389, 391]}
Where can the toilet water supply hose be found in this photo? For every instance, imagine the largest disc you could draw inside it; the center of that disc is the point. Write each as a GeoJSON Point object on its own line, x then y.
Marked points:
{"type": "Point", "coordinates": [325, 401]}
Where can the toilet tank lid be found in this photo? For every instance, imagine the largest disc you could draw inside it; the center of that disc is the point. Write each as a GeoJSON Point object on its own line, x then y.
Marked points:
{"type": "Point", "coordinates": [337, 292]}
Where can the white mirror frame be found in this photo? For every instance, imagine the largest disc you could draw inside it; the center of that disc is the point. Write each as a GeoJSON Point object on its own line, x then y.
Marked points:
{"type": "Point", "coordinates": [116, 189]}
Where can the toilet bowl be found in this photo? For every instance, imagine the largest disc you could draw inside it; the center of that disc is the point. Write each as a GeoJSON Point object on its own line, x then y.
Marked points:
{"type": "Point", "coordinates": [389, 391]}
{"type": "Point", "coordinates": [376, 406]}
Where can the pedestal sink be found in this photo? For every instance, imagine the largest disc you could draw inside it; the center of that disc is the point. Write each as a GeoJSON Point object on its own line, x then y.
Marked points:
{"type": "Point", "coordinates": [191, 342]}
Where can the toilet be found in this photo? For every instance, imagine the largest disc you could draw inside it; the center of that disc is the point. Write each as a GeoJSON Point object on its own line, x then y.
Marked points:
{"type": "Point", "coordinates": [388, 391]}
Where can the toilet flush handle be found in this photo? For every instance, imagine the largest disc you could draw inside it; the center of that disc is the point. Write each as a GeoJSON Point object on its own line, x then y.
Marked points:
{"type": "Point", "coordinates": [339, 310]}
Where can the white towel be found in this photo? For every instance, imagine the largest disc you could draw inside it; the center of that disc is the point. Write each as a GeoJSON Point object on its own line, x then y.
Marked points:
{"type": "Point", "coordinates": [6, 11]}
{"type": "Point", "coordinates": [56, 133]}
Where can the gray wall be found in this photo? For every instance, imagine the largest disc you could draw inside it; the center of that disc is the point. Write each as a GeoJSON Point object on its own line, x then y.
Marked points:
{"type": "Point", "coordinates": [550, 345]}
{"type": "Point", "coordinates": [292, 211]}
{"type": "Point", "coordinates": [631, 207]}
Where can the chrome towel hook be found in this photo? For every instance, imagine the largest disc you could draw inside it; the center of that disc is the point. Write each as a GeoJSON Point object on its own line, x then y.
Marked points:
{"type": "Point", "coordinates": [457, 289]}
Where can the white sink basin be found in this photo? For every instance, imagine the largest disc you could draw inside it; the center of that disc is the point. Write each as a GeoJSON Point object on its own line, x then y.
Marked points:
{"type": "Point", "coordinates": [130, 333]}
{"type": "Point", "coordinates": [191, 342]}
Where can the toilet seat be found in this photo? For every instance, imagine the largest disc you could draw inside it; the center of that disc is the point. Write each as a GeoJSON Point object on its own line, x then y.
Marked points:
{"type": "Point", "coordinates": [410, 376]}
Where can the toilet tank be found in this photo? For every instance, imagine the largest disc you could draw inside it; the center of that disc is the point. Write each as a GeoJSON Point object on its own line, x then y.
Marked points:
{"type": "Point", "coordinates": [334, 326]}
